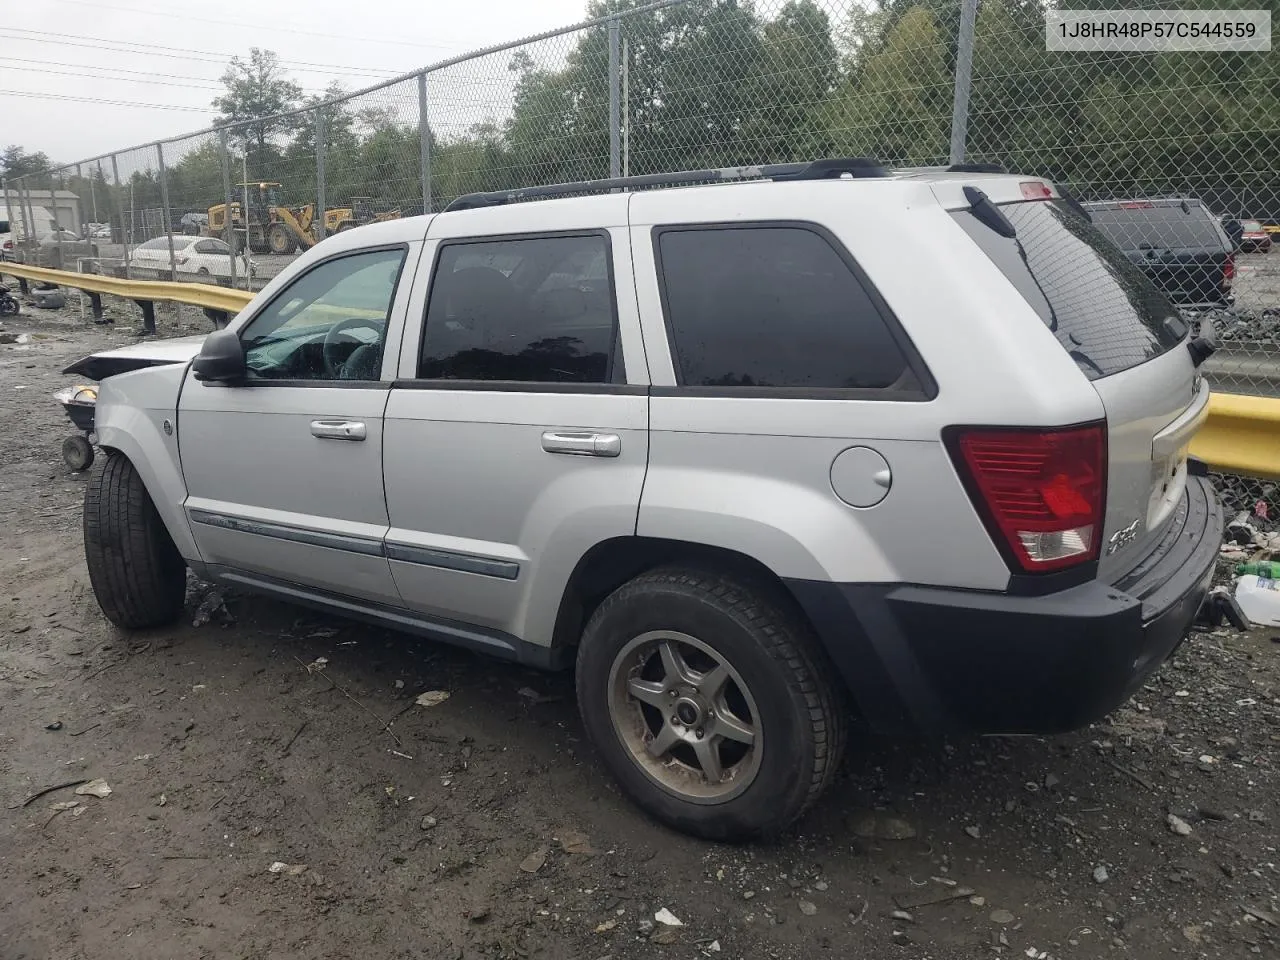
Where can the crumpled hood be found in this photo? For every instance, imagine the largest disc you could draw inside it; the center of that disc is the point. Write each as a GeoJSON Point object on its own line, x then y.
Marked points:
{"type": "Point", "coordinates": [152, 353]}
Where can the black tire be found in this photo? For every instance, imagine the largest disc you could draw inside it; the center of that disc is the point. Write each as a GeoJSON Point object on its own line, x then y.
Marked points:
{"type": "Point", "coordinates": [9, 307]}
{"type": "Point", "coordinates": [754, 628]}
{"type": "Point", "coordinates": [77, 452]}
{"type": "Point", "coordinates": [136, 572]}
{"type": "Point", "coordinates": [280, 240]}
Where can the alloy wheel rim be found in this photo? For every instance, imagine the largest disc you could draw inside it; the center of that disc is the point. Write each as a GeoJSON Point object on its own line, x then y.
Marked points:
{"type": "Point", "coordinates": [685, 716]}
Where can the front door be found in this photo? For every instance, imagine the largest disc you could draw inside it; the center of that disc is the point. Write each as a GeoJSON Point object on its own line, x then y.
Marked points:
{"type": "Point", "coordinates": [284, 472]}
{"type": "Point", "coordinates": [518, 436]}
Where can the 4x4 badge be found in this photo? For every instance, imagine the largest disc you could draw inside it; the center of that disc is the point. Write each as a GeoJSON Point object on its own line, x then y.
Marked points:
{"type": "Point", "coordinates": [1122, 538]}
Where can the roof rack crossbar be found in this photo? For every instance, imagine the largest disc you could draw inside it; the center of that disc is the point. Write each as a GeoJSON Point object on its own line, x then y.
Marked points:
{"type": "Point", "coordinates": [817, 170]}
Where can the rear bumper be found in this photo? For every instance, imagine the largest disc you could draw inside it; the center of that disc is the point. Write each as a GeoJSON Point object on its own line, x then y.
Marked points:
{"type": "Point", "coordinates": [937, 660]}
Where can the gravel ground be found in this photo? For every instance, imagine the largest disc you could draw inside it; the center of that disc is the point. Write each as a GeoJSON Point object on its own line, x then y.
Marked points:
{"type": "Point", "coordinates": [483, 827]}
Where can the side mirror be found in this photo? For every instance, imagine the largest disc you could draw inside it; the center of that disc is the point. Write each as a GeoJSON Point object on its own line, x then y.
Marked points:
{"type": "Point", "coordinates": [221, 359]}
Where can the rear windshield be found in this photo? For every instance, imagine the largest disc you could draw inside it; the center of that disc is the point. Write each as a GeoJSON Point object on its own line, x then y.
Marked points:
{"type": "Point", "coordinates": [1163, 226]}
{"type": "Point", "coordinates": [1103, 309]}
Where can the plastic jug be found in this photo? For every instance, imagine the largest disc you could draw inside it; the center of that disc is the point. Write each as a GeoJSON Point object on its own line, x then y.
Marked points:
{"type": "Point", "coordinates": [1259, 598]}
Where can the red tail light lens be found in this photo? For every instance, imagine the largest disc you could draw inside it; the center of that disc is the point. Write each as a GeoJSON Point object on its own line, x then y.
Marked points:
{"type": "Point", "coordinates": [1040, 492]}
{"type": "Point", "coordinates": [1229, 270]}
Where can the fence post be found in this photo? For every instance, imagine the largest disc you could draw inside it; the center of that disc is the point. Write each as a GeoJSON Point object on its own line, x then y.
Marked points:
{"type": "Point", "coordinates": [55, 187]}
{"type": "Point", "coordinates": [126, 231]}
{"type": "Point", "coordinates": [964, 77]}
{"type": "Point", "coordinates": [164, 211]}
{"type": "Point", "coordinates": [424, 142]}
{"type": "Point", "coordinates": [626, 107]}
{"type": "Point", "coordinates": [228, 228]}
{"type": "Point", "coordinates": [80, 221]}
{"type": "Point", "coordinates": [321, 206]}
{"type": "Point", "coordinates": [32, 237]}
{"type": "Point", "coordinates": [615, 97]}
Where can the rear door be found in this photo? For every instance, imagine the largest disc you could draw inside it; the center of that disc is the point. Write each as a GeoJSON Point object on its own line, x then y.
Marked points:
{"type": "Point", "coordinates": [1129, 340]}
{"type": "Point", "coordinates": [517, 433]}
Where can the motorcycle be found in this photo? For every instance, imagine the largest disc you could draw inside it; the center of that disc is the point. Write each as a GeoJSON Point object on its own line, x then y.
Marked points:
{"type": "Point", "coordinates": [8, 305]}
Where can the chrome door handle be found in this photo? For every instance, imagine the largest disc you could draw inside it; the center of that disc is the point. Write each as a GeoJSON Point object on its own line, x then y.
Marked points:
{"type": "Point", "coordinates": [338, 429]}
{"type": "Point", "coordinates": [582, 444]}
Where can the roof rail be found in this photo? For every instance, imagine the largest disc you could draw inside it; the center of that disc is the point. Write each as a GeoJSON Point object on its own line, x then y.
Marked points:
{"type": "Point", "coordinates": [856, 167]}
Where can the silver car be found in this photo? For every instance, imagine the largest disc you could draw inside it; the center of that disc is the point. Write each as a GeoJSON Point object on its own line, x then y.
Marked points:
{"type": "Point", "coordinates": [722, 447]}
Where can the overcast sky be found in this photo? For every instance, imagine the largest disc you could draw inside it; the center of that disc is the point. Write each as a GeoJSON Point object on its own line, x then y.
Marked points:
{"type": "Point", "coordinates": [165, 57]}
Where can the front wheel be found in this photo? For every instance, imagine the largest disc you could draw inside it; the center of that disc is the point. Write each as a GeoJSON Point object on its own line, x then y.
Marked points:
{"type": "Point", "coordinates": [137, 574]}
{"type": "Point", "coordinates": [710, 702]}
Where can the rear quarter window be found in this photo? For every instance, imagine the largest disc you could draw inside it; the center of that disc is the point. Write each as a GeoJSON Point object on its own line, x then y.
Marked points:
{"type": "Point", "coordinates": [775, 306]}
{"type": "Point", "coordinates": [1102, 308]}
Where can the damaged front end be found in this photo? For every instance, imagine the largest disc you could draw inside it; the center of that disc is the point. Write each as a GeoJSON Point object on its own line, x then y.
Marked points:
{"type": "Point", "coordinates": [80, 400]}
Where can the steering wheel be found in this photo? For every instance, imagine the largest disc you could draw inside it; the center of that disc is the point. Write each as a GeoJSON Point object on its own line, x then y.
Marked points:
{"type": "Point", "coordinates": [338, 335]}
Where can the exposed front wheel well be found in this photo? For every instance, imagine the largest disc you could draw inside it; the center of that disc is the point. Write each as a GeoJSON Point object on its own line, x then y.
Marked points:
{"type": "Point", "coordinates": [611, 563]}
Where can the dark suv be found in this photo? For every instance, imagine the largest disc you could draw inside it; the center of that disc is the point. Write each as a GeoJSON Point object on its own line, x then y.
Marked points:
{"type": "Point", "coordinates": [1178, 243]}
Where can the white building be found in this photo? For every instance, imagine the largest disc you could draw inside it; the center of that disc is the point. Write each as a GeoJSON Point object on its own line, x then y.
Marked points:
{"type": "Point", "coordinates": [48, 206]}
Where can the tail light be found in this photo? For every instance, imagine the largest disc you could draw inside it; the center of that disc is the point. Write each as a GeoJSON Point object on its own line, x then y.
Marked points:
{"type": "Point", "coordinates": [1041, 493]}
{"type": "Point", "coordinates": [1229, 270]}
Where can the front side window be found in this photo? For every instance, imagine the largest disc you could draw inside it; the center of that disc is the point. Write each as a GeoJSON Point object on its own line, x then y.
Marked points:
{"type": "Point", "coordinates": [771, 306]}
{"type": "Point", "coordinates": [533, 310]}
{"type": "Point", "coordinates": [329, 324]}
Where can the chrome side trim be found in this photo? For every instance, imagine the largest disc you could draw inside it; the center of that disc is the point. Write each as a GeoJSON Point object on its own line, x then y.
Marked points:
{"type": "Point", "coordinates": [367, 546]}
{"type": "Point", "coordinates": [448, 560]}
{"type": "Point", "coordinates": [336, 541]}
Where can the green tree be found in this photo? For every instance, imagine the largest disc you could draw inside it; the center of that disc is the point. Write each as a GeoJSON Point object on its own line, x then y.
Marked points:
{"type": "Point", "coordinates": [895, 102]}
{"type": "Point", "coordinates": [16, 162]}
{"type": "Point", "coordinates": [257, 90]}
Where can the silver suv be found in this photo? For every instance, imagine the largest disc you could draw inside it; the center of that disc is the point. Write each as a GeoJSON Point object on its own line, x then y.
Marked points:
{"type": "Point", "coordinates": [758, 457]}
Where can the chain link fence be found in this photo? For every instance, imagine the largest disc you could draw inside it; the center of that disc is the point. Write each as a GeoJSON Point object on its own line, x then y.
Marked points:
{"type": "Point", "coordinates": [1173, 153]}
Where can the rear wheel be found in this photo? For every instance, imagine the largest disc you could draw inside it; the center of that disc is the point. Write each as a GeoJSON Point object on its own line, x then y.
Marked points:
{"type": "Point", "coordinates": [710, 702]}
{"type": "Point", "coordinates": [137, 574]}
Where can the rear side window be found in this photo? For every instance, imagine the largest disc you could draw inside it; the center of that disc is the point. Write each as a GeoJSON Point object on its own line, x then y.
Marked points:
{"type": "Point", "coordinates": [532, 310]}
{"type": "Point", "coordinates": [1159, 226]}
{"type": "Point", "coordinates": [1102, 308]}
{"type": "Point", "coordinates": [772, 306]}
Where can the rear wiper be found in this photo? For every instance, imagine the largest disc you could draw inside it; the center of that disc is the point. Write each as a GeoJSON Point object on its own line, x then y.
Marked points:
{"type": "Point", "coordinates": [988, 213]}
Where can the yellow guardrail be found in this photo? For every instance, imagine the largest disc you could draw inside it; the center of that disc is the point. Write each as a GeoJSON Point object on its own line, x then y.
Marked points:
{"type": "Point", "coordinates": [222, 299]}
{"type": "Point", "coordinates": [1241, 436]}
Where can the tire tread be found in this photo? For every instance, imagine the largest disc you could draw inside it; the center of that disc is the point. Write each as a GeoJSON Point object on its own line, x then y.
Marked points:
{"type": "Point", "coordinates": [137, 574]}
{"type": "Point", "coordinates": [761, 608]}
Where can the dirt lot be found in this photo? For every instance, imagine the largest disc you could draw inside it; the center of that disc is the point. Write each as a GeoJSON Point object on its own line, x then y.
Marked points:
{"type": "Point", "coordinates": [482, 827]}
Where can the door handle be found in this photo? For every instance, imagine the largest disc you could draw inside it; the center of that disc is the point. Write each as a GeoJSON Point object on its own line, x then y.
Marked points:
{"type": "Point", "coordinates": [338, 429]}
{"type": "Point", "coordinates": [582, 444]}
